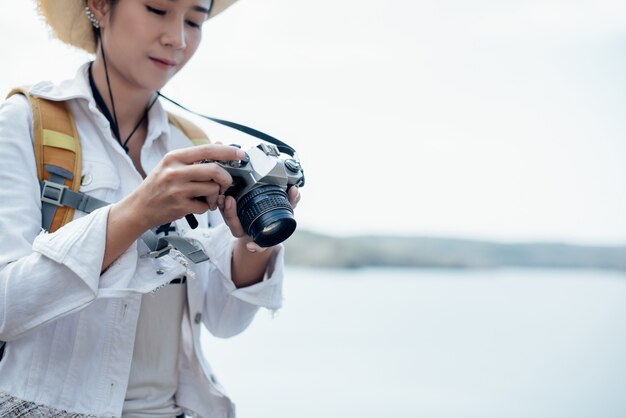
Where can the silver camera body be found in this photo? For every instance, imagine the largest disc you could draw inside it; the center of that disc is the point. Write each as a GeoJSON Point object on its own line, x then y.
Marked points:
{"type": "Point", "coordinates": [260, 183]}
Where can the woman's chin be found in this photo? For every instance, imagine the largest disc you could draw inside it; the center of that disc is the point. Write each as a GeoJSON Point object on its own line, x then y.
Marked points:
{"type": "Point", "coordinates": [157, 82]}
{"type": "Point", "coordinates": [154, 83]}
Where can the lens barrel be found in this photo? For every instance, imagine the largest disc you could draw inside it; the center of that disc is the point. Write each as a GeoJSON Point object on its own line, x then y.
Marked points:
{"type": "Point", "coordinates": [266, 215]}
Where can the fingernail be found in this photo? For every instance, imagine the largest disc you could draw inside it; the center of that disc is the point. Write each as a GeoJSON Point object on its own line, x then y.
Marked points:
{"type": "Point", "coordinates": [220, 201]}
{"type": "Point", "coordinates": [240, 154]}
{"type": "Point", "coordinates": [229, 203]}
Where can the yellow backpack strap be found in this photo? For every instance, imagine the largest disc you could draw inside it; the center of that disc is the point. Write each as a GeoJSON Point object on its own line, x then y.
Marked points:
{"type": "Point", "coordinates": [57, 154]}
{"type": "Point", "coordinates": [191, 131]}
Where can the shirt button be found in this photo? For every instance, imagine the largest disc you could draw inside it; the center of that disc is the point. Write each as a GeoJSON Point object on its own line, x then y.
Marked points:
{"type": "Point", "coordinates": [86, 180]}
{"type": "Point", "coordinates": [198, 318]}
{"type": "Point", "coordinates": [160, 272]}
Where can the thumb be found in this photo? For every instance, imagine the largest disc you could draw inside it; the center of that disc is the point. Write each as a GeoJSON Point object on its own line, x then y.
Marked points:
{"type": "Point", "coordinates": [253, 247]}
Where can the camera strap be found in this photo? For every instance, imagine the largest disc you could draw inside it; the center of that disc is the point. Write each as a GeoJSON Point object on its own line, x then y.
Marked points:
{"type": "Point", "coordinates": [282, 147]}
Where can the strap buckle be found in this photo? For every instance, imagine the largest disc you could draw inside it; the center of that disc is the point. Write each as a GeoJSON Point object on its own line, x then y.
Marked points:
{"type": "Point", "coordinates": [52, 192]}
{"type": "Point", "coordinates": [160, 252]}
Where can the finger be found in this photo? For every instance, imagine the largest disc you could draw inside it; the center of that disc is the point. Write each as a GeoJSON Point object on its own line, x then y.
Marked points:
{"type": "Point", "coordinates": [192, 155]}
{"type": "Point", "coordinates": [207, 172]}
{"type": "Point", "coordinates": [220, 202]}
{"type": "Point", "coordinates": [179, 177]}
{"type": "Point", "coordinates": [209, 191]}
{"type": "Point", "coordinates": [196, 206]}
{"type": "Point", "coordinates": [294, 196]}
{"type": "Point", "coordinates": [229, 213]}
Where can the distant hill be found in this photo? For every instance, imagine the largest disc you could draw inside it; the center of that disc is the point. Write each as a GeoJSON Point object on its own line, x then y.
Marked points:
{"type": "Point", "coordinates": [305, 248]}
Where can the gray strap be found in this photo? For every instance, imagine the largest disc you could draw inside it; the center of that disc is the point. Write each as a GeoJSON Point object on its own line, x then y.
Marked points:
{"type": "Point", "coordinates": [197, 255]}
{"type": "Point", "coordinates": [160, 246]}
{"type": "Point", "coordinates": [54, 193]}
{"type": "Point", "coordinates": [152, 241]}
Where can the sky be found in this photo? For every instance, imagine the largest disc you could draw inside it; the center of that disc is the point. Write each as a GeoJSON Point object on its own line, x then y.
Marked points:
{"type": "Point", "coordinates": [500, 120]}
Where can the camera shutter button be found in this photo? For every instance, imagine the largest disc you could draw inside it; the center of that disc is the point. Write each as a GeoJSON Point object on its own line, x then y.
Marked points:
{"type": "Point", "coordinates": [246, 159]}
{"type": "Point", "coordinates": [292, 165]}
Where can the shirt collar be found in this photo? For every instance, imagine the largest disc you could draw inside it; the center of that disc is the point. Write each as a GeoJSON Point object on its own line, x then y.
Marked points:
{"type": "Point", "coordinates": [78, 88]}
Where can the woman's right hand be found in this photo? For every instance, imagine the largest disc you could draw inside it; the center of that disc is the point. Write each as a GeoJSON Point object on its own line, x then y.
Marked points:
{"type": "Point", "coordinates": [169, 192]}
{"type": "Point", "coordinates": [178, 185]}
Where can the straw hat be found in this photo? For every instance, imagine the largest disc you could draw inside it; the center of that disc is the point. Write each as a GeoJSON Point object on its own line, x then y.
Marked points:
{"type": "Point", "coordinates": [69, 23]}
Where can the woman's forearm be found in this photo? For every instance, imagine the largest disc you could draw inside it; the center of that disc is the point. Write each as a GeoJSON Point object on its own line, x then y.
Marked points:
{"type": "Point", "coordinates": [248, 268]}
{"type": "Point", "coordinates": [124, 226]}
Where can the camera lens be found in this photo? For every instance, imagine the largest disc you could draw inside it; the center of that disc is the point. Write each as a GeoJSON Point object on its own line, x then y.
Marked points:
{"type": "Point", "coordinates": [266, 215]}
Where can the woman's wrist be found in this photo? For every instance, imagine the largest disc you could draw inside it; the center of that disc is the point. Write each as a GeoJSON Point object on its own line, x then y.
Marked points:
{"type": "Point", "coordinates": [249, 262]}
{"type": "Point", "coordinates": [123, 227]}
{"type": "Point", "coordinates": [131, 217]}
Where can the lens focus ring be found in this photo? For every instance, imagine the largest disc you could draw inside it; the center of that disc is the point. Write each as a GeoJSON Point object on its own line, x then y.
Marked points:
{"type": "Point", "coordinates": [259, 201]}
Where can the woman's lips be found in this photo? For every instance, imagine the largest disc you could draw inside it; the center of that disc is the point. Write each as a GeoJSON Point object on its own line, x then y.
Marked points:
{"type": "Point", "coordinates": [163, 64]}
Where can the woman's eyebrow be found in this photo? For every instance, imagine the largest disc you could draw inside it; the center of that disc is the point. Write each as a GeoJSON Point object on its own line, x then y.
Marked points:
{"type": "Point", "coordinates": [197, 8]}
{"type": "Point", "coordinates": [202, 10]}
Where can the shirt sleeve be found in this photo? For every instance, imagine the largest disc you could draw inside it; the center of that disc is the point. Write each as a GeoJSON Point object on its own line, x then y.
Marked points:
{"type": "Point", "coordinates": [229, 310]}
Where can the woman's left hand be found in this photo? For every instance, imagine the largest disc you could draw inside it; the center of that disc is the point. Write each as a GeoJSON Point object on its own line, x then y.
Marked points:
{"type": "Point", "coordinates": [228, 208]}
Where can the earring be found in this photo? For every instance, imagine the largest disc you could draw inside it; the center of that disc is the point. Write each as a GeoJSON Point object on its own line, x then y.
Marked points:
{"type": "Point", "coordinates": [92, 18]}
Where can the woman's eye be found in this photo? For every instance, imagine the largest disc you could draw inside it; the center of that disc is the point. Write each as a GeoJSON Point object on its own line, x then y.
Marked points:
{"type": "Point", "coordinates": [155, 11]}
{"type": "Point", "coordinates": [193, 24]}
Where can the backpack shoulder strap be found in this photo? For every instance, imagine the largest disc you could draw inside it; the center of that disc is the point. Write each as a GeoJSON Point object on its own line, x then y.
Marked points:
{"type": "Point", "coordinates": [196, 135]}
{"type": "Point", "coordinates": [58, 157]}
{"type": "Point", "coordinates": [57, 154]}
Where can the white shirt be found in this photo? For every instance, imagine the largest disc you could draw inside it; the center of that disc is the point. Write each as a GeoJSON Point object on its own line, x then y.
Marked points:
{"type": "Point", "coordinates": [69, 329]}
{"type": "Point", "coordinates": [153, 378]}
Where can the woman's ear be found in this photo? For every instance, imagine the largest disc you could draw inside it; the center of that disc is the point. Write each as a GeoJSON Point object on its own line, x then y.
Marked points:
{"type": "Point", "coordinates": [100, 9]}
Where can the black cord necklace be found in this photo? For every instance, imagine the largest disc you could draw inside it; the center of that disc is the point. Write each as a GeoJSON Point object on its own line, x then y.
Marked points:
{"type": "Point", "coordinates": [112, 118]}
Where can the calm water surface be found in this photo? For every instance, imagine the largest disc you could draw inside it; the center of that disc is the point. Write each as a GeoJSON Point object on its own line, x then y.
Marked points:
{"type": "Point", "coordinates": [434, 344]}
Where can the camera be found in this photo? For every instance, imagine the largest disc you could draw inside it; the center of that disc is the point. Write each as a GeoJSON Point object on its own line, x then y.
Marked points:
{"type": "Point", "coordinates": [260, 183]}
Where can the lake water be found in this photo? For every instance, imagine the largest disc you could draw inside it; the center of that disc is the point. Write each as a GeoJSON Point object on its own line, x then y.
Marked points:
{"type": "Point", "coordinates": [434, 344]}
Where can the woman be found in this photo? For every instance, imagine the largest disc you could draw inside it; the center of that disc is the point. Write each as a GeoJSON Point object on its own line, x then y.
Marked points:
{"type": "Point", "coordinates": [94, 325]}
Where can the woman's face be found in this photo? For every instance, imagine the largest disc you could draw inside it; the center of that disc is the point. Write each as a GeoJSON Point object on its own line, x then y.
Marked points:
{"type": "Point", "coordinates": [146, 42]}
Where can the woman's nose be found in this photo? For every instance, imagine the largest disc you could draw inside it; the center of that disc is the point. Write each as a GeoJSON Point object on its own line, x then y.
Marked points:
{"type": "Point", "coordinates": [174, 34]}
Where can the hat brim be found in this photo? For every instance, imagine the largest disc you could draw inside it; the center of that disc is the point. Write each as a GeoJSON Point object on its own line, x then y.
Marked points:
{"type": "Point", "coordinates": [69, 23]}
